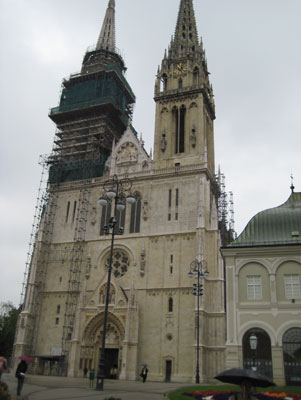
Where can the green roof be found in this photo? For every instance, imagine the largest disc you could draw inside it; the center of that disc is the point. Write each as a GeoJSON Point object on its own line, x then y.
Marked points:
{"type": "Point", "coordinates": [275, 226]}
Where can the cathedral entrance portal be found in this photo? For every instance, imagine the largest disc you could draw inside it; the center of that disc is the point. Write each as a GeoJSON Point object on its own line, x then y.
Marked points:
{"type": "Point", "coordinates": [111, 359]}
{"type": "Point", "coordinates": [114, 340]}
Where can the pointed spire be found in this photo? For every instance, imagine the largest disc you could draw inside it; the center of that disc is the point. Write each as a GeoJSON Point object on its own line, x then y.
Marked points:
{"type": "Point", "coordinates": [186, 35]}
{"type": "Point", "coordinates": [106, 40]}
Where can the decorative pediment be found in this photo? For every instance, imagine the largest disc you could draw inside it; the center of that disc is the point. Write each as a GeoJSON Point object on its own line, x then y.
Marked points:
{"type": "Point", "coordinates": [117, 295]}
{"type": "Point", "coordinates": [127, 154]}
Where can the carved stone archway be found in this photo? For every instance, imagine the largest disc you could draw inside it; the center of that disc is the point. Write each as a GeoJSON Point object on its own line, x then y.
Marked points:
{"type": "Point", "coordinates": [92, 338]}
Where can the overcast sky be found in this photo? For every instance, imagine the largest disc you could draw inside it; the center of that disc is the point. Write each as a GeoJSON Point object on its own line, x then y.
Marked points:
{"type": "Point", "coordinates": [254, 56]}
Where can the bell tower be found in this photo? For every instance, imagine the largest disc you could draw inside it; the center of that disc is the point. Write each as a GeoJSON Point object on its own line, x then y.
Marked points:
{"type": "Point", "coordinates": [185, 108]}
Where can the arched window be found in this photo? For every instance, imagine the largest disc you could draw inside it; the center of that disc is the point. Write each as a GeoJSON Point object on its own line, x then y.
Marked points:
{"type": "Point", "coordinates": [260, 357]}
{"type": "Point", "coordinates": [120, 263]}
{"type": "Point", "coordinates": [180, 84]}
{"type": "Point", "coordinates": [135, 215]}
{"type": "Point", "coordinates": [106, 215]}
{"type": "Point", "coordinates": [292, 356]}
{"type": "Point", "coordinates": [165, 79]}
{"type": "Point", "coordinates": [195, 76]}
{"type": "Point", "coordinates": [179, 119]}
{"type": "Point", "coordinates": [182, 129]}
{"type": "Point", "coordinates": [170, 304]}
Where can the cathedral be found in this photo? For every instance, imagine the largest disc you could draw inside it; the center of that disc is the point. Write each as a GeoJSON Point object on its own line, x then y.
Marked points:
{"type": "Point", "coordinates": [76, 270]}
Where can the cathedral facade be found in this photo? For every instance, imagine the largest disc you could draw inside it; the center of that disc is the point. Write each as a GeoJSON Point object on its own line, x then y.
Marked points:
{"type": "Point", "coordinates": [173, 221]}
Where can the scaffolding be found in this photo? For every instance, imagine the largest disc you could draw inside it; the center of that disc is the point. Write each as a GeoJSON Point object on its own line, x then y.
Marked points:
{"type": "Point", "coordinates": [225, 211]}
{"type": "Point", "coordinates": [75, 275]}
{"type": "Point", "coordinates": [37, 260]}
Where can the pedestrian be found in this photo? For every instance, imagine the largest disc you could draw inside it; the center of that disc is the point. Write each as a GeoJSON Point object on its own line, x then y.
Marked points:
{"type": "Point", "coordinates": [20, 375]}
{"type": "Point", "coordinates": [85, 372]}
{"type": "Point", "coordinates": [114, 372]}
{"type": "Point", "coordinates": [91, 378]}
{"type": "Point", "coordinates": [144, 373]}
{"type": "Point", "coordinates": [3, 365]}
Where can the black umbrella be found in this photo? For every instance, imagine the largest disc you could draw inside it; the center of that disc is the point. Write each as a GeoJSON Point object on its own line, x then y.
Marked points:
{"type": "Point", "coordinates": [239, 376]}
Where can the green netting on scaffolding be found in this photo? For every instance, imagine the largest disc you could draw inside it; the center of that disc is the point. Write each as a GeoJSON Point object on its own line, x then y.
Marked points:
{"type": "Point", "coordinates": [76, 170]}
{"type": "Point", "coordinates": [103, 89]}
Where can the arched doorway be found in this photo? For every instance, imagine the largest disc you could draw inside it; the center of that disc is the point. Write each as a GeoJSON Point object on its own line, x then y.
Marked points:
{"type": "Point", "coordinates": [260, 357]}
{"type": "Point", "coordinates": [291, 344]}
{"type": "Point", "coordinates": [92, 340]}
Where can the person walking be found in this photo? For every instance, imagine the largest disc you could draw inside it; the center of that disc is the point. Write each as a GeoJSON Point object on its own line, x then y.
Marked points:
{"type": "Point", "coordinates": [144, 373]}
{"type": "Point", "coordinates": [91, 378]}
{"type": "Point", "coordinates": [3, 365]}
{"type": "Point", "coordinates": [20, 375]}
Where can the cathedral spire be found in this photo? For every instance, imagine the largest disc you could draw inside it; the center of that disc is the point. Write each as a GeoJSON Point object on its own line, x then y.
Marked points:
{"type": "Point", "coordinates": [185, 40]}
{"type": "Point", "coordinates": [106, 40]}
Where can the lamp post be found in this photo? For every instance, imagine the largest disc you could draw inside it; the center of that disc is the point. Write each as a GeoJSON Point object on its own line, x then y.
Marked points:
{"type": "Point", "coordinates": [198, 269]}
{"type": "Point", "coordinates": [253, 340]}
{"type": "Point", "coordinates": [114, 190]}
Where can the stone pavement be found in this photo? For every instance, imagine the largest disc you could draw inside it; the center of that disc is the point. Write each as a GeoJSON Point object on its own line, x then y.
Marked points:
{"type": "Point", "coordinates": [38, 387]}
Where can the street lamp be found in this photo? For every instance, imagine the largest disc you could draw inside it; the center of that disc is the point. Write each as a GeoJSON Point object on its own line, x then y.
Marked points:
{"type": "Point", "coordinates": [253, 340]}
{"type": "Point", "coordinates": [198, 269]}
{"type": "Point", "coordinates": [114, 190]}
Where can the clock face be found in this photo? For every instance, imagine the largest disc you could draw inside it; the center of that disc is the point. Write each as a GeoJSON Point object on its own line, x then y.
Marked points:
{"type": "Point", "coordinates": [180, 69]}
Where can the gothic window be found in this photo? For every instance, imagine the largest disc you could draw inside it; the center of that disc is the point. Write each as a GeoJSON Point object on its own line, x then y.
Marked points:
{"type": "Point", "coordinates": [120, 216]}
{"type": "Point", "coordinates": [170, 304]}
{"type": "Point", "coordinates": [254, 287]}
{"type": "Point", "coordinates": [292, 286]}
{"type": "Point", "coordinates": [74, 211]}
{"type": "Point", "coordinates": [164, 80]}
{"type": "Point", "coordinates": [182, 129]}
{"type": "Point", "coordinates": [67, 211]}
{"type": "Point", "coordinates": [105, 217]}
{"type": "Point", "coordinates": [179, 118]}
{"type": "Point", "coordinates": [180, 84]}
{"type": "Point", "coordinates": [58, 309]}
{"type": "Point", "coordinates": [195, 76]}
{"type": "Point", "coordinates": [120, 263]}
{"type": "Point", "coordinates": [135, 215]}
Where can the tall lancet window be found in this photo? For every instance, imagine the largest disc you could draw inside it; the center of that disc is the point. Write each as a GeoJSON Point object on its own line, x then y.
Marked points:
{"type": "Point", "coordinates": [179, 116]}
{"type": "Point", "coordinates": [135, 215]}
{"type": "Point", "coordinates": [182, 129]}
{"type": "Point", "coordinates": [195, 76]}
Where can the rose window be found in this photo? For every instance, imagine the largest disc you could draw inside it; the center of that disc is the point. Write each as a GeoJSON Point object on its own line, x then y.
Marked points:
{"type": "Point", "coordinates": [120, 263]}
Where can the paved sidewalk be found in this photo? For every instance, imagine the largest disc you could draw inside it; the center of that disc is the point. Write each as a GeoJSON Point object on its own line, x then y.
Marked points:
{"type": "Point", "coordinates": [38, 387]}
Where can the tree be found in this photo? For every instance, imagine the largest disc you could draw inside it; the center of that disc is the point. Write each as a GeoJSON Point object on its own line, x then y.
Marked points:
{"type": "Point", "coordinates": [8, 322]}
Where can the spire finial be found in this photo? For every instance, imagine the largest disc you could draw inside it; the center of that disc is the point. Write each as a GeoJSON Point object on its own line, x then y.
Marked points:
{"type": "Point", "coordinates": [106, 40]}
{"type": "Point", "coordinates": [292, 183]}
{"type": "Point", "coordinates": [186, 35]}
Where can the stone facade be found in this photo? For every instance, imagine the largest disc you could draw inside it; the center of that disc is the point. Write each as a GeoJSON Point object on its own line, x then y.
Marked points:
{"type": "Point", "coordinates": [152, 311]}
